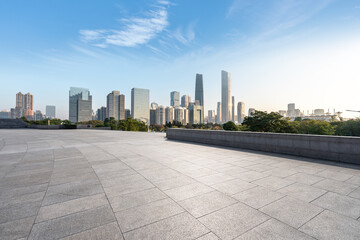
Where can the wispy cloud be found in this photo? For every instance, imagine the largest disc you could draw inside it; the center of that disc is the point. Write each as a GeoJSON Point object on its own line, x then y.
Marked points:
{"type": "Point", "coordinates": [184, 36]}
{"type": "Point", "coordinates": [134, 31]}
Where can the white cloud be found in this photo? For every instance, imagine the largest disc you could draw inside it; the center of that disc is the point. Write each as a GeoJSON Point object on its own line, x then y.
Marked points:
{"type": "Point", "coordinates": [135, 31]}
{"type": "Point", "coordinates": [185, 37]}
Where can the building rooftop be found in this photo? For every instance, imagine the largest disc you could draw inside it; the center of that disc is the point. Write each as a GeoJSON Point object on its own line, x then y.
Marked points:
{"type": "Point", "coordinates": [93, 184]}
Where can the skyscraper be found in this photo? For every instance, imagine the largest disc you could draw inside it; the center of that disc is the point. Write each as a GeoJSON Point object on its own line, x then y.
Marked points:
{"type": "Point", "coordinates": [185, 100]}
{"type": "Point", "coordinates": [225, 97]}
{"type": "Point", "coordinates": [175, 99]}
{"type": "Point", "coordinates": [80, 104]}
{"type": "Point", "coordinates": [233, 109]}
{"type": "Point", "coordinates": [24, 105]}
{"type": "Point", "coordinates": [199, 89]}
{"type": "Point", "coordinates": [127, 114]}
{"type": "Point", "coordinates": [241, 111]}
{"type": "Point", "coordinates": [50, 111]}
{"type": "Point", "coordinates": [140, 104]}
{"type": "Point", "coordinates": [161, 110]}
{"type": "Point", "coordinates": [196, 113]}
{"type": "Point", "coordinates": [101, 114]}
{"type": "Point", "coordinates": [169, 114]}
{"type": "Point", "coordinates": [218, 113]}
{"type": "Point", "coordinates": [115, 105]}
{"type": "Point", "coordinates": [211, 116]}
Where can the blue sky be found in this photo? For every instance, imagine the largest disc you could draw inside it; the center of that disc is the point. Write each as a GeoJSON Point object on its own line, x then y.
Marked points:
{"type": "Point", "coordinates": [277, 52]}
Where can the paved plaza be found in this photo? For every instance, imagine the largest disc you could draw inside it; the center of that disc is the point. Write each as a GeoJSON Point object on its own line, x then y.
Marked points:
{"type": "Point", "coordinates": [94, 184]}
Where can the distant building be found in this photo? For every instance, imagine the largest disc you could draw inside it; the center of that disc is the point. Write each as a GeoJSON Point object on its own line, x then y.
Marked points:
{"type": "Point", "coordinates": [241, 112]}
{"type": "Point", "coordinates": [154, 105]}
{"type": "Point", "coordinates": [4, 114]}
{"type": "Point", "coordinates": [175, 99]}
{"type": "Point", "coordinates": [115, 105]}
{"type": "Point", "coordinates": [225, 97]}
{"type": "Point", "coordinates": [50, 112]}
{"type": "Point", "coordinates": [169, 114]}
{"type": "Point", "coordinates": [80, 104]}
{"type": "Point", "coordinates": [199, 89]}
{"type": "Point", "coordinates": [211, 116]}
{"type": "Point", "coordinates": [233, 109]}
{"type": "Point", "coordinates": [185, 100]}
{"type": "Point", "coordinates": [127, 113]}
{"type": "Point", "coordinates": [319, 112]}
{"type": "Point", "coordinates": [152, 116]}
{"type": "Point", "coordinates": [160, 113]}
{"type": "Point", "coordinates": [251, 111]}
{"type": "Point", "coordinates": [24, 106]}
{"type": "Point", "coordinates": [38, 115]}
{"type": "Point", "coordinates": [186, 116]}
{"type": "Point", "coordinates": [101, 114]}
{"type": "Point", "coordinates": [196, 113]}
{"type": "Point", "coordinates": [218, 113]}
{"type": "Point", "coordinates": [282, 113]}
{"type": "Point", "coordinates": [140, 103]}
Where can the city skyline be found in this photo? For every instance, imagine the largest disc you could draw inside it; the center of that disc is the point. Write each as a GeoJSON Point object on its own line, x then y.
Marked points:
{"type": "Point", "coordinates": [304, 52]}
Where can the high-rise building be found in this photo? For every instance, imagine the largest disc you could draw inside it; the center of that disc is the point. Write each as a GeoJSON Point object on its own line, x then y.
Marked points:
{"type": "Point", "coordinates": [251, 111]}
{"type": "Point", "coordinates": [4, 114]}
{"type": "Point", "coordinates": [186, 116]}
{"type": "Point", "coordinates": [241, 112]}
{"type": "Point", "coordinates": [101, 114]}
{"type": "Point", "coordinates": [179, 115]}
{"type": "Point", "coordinates": [233, 109]}
{"type": "Point", "coordinates": [282, 113]}
{"type": "Point", "coordinates": [152, 116]}
{"type": "Point", "coordinates": [185, 100]}
{"type": "Point", "coordinates": [140, 104]}
{"type": "Point", "coordinates": [154, 105]}
{"type": "Point", "coordinates": [127, 114]}
{"type": "Point", "coordinates": [175, 99]}
{"type": "Point", "coordinates": [199, 89]}
{"type": "Point", "coordinates": [161, 113]}
{"type": "Point", "coordinates": [115, 105]}
{"type": "Point", "coordinates": [50, 112]}
{"type": "Point", "coordinates": [218, 113]}
{"type": "Point", "coordinates": [24, 105]}
{"type": "Point", "coordinates": [211, 116]}
{"type": "Point", "coordinates": [319, 112]}
{"type": "Point", "coordinates": [196, 113]}
{"type": "Point", "coordinates": [225, 97]}
{"type": "Point", "coordinates": [38, 115]}
{"type": "Point", "coordinates": [80, 104]}
{"type": "Point", "coordinates": [291, 110]}
{"type": "Point", "coordinates": [169, 114]}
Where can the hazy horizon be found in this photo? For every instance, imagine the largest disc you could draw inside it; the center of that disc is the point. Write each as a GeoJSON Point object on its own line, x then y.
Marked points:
{"type": "Point", "coordinates": [277, 52]}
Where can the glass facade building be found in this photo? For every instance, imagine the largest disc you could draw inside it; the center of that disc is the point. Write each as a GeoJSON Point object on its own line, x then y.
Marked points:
{"type": "Point", "coordinates": [80, 105]}
{"type": "Point", "coordinates": [140, 104]}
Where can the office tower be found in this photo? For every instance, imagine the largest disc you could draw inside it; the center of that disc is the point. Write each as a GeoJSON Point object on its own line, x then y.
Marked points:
{"type": "Point", "coordinates": [101, 114]}
{"type": "Point", "coordinates": [38, 115]}
{"type": "Point", "coordinates": [115, 105]}
{"type": "Point", "coordinates": [20, 100]}
{"type": "Point", "coordinates": [50, 112]}
{"type": "Point", "coordinates": [12, 113]}
{"type": "Point", "coordinates": [196, 113]}
{"type": "Point", "coordinates": [233, 109]}
{"type": "Point", "coordinates": [4, 114]}
{"type": "Point", "coordinates": [186, 116]}
{"type": "Point", "coordinates": [218, 113]}
{"type": "Point", "coordinates": [154, 105]}
{"type": "Point", "coordinates": [199, 89]}
{"type": "Point", "coordinates": [29, 101]}
{"type": "Point", "coordinates": [211, 116]}
{"type": "Point", "coordinates": [225, 97]}
{"type": "Point", "coordinates": [169, 114]}
{"type": "Point", "coordinates": [80, 104]}
{"type": "Point", "coordinates": [251, 111]}
{"type": "Point", "coordinates": [179, 115]}
{"type": "Point", "coordinates": [291, 110]}
{"type": "Point", "coordinates": [161, 115]}
{"type": "Point", "coordinates": [140, 103]}
{"type": "Point", "coordinates": [152, 116]}
{"type": "Point", "coordinates": [24, 105]}
{"type": "Point", "coordinates": [175, 99]}
{"type": "Point", "coordinates": [241, 112]}
{"type": "Point", "coordinates": [127, 114]}
{"type": "Point", "coordinates": [185, 100]}
{"type": "Point", "coordinates": [282, 113]}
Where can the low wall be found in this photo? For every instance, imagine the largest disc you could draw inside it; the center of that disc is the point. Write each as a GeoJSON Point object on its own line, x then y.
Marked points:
{"type": "Point", "coordinates": [333, 148]}
{"type": "Point", "coordinates": [12, 123]}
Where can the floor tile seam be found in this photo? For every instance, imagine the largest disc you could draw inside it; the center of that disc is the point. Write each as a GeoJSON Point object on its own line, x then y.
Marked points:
{"type": "Point", "coordinates": [142, 205]}
{"type": "Point", "coordinates": [73, 213]}
{"type": "Point", "coordinates": [107, 198]}
{"type": "Point", "coordinates": [80, 197]}
{"type": "Point", "coordinates": [229, 196]}
{"type": "Point", "coordinates": [13, 166]}
{"type": "Point", "coordinates": [258, 179]}
{"type": "Point", "coordinates": [232, 204]}
{"type": "Point", "coordinates": [323, 210]}
{"type": "Point", "coordinates": [254, 227]}
{"type": "Point", "coordinates": [207, 234]}
{"type": "Point", "coordinates": [37, 213]}
{"type": "Point", "coordinates": [170, 198]}
{"type": "Point", "coordinates": [269, 203]}
{"type": "Point", "coordinates": [132, 192]}
{"type": "Point", "coordinates": [115, 221]}
{"type": "Point", "coordinates": [25, 202]}
{"type": "Point", "coordinates": [348, 195]}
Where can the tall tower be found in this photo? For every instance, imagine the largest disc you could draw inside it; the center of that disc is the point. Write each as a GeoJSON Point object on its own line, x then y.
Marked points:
{"type": "Point", "coordinates": [225, 96]}
{"type": "Point", "coordinates": [112, 105]}
{"type": "Point", "coordinates": [140, 104]}
{"type": "Point", "coordinates": [233, 109]}
{"type": "Point", "coordinates": [199, 89]}
{"type": "Point", "coordinates": [218, 113]}
{"type": "Point", "coordinates": [175, 99]}
{"type": "Point", "coordinates": [80, 104]}
{"type": "Point", "coordinates": [241, 111]}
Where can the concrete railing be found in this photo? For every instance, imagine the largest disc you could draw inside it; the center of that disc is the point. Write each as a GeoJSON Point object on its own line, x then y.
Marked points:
{"type": "Point", "coordinates": [333, 148]}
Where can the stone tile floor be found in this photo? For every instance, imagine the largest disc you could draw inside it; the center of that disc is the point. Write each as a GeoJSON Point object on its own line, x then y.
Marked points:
{"type": "Point", "coordinates": [89, 184]}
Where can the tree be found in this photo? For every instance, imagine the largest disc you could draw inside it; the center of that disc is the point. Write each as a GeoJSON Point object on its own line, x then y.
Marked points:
{"type": "Point", "coordinates": [348, 128]}
{"type": "Point", "coordinates": [230, 126]}
{"type": "Point", "coordinates": [318, 127]}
